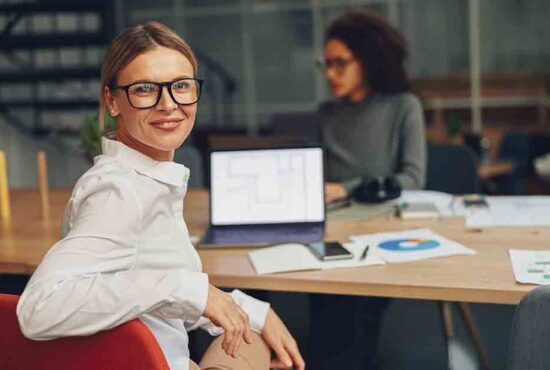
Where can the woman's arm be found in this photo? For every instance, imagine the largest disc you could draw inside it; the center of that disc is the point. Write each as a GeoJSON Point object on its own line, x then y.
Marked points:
{"type": "Point", "coordinates": [255, 309]}
{"type": "Point", "coordinates": [88, 281]}
{"type": "Point", "coordinates": [412, 171]}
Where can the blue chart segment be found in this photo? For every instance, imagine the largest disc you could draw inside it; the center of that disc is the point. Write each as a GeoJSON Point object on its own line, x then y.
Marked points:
{"type": "Point", "coordinates": [409, 245]}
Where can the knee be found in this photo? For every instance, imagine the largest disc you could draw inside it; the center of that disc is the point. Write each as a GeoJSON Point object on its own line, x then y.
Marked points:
{"type": "Point", "coordinates": [258, 350]}
{"type": "Point", "coordinates": [260, 345]}
{"type": "Point", "coordinates": [254, 356]}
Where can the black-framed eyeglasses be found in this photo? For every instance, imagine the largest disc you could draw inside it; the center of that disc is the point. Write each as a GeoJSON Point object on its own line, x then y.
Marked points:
{"type": "Point", "coordinates": [146, 94]}
{"type": "Point", "coordinates": [338, 64]}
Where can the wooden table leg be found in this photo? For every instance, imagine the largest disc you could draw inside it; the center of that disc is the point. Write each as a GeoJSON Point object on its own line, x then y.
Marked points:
{"type": "Point", "coordinates": [447, 326]}
{"type": "Point", "coordinates": [5, 208]}
{"type": "Point", "coordinates": [475, 336]}
{"type": "Point", "coordinates": [43, 188]}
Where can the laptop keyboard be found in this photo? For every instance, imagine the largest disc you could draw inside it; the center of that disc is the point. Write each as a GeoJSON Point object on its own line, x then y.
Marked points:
{"type": "Point", "coordinates": [266, 234]}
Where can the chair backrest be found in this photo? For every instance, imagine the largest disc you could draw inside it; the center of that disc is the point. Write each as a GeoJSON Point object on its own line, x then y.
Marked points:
{"type": "Point", "coordinates": [530, 335]}
{"type": "Point", "coordinates": [128, 346]}
{"type": "Point", "coordinates": [224, 142]}
{"type": "Point", "coordinates": [190, 156]}
{"type": "Point", "coordinates": [304, 125]}
{"type": "Point", "coordinates": [515, 147]}
{"type": "Point", "coordinates": [451, 169]}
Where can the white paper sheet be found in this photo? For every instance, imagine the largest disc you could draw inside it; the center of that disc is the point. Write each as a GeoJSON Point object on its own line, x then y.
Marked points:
{"type": "Point", "coordinates": [362, 211]}
{"type": "Point", "coordinates": [527, 203]}
{"type": "Point", "coordinates": [482, 220]}
{"type": "Point", "coordinates": [297, 257]}
{"type": "Point", "coordinates": [511, 211]}
{"type": "Point", "coordinates": [412, 245]}
{"type": "Point", "coordinates": [531, 267]}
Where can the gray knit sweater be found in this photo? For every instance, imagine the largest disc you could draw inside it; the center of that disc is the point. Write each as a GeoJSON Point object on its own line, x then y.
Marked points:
{"type": "Point", "coordinates": [382, 135]}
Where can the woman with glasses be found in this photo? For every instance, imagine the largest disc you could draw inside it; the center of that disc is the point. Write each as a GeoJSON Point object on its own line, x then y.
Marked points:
{"type": "Point", "coordinates": [374, 128]}
{"type": "Point", "coordinates": [375, 125]}
{"type": "Point", "coordinates": [126, 251]}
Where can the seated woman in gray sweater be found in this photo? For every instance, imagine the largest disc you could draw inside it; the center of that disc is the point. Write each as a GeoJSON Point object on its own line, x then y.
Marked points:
{"type": "Point", "coordinates": [374, 128]}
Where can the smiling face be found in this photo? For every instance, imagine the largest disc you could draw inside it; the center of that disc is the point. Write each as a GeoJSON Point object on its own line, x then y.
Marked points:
{"type": "Point", "coordinates": [159, 130]}
{"type": "Point", "coordinates": [344, 72]}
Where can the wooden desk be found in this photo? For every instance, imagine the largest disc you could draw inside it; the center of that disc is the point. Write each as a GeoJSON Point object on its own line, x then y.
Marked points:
{"type": "Point", "coordinates": [486, 277]}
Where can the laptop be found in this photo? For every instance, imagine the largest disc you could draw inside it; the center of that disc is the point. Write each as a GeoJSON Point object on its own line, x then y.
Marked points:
{"type": "Point", "coordinates": [260, 197]}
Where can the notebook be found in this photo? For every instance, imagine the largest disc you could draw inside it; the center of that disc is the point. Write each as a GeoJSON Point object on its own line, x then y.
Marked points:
{"type": "Point", "coordinates": [265, 196]}
{"type": "Point", "coordinates": [413, 211]}
{"type": "Point", "coordinates": [297, 257]}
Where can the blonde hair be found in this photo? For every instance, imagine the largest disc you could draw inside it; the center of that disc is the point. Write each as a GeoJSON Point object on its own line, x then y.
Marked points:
{"type": "Point", "coordinates": [132, 42]}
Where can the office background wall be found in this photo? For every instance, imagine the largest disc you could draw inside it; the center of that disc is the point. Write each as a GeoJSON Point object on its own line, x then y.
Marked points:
{"type": "Point", "coordinates": [21, 151]}
{"type": "Point", "coordinates": [267, 49]}
{"type": "Point", "coordinates": [270, 46]}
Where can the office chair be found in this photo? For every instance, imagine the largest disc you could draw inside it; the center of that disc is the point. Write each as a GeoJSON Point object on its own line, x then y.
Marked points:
{"type": "Point", "coordinates": [528, 348]}
{"type": "Point", "coordinates": [128, 346]}
{"type": "Point", "coordinates": [190, 156]}
{"type": "Point", "coordinates": [453, 169]}
{"type": "Point", "coordinates": [304, 125]}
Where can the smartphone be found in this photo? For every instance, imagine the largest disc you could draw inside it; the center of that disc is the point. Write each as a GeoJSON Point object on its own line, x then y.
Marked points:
{"type": "Point", "coordinates": [475, 201]}
{"type": "Point", "coordinates": [329, 251]}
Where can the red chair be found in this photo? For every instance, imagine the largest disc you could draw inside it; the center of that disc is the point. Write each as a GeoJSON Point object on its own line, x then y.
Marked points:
{"type": "Point", "coordinates": [129, 346]}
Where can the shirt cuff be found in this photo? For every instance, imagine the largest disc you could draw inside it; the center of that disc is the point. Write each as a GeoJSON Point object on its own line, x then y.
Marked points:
{"type": "Point", "coordinates": [257, 310]}
{"type": "Point", "coordinates": [194, 293]}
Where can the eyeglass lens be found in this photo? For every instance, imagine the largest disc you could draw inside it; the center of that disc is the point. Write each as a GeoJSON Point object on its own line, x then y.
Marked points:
{"type": "Point", "coordinates": [338, 64]}
{"type": "Point", "coordinates": [147, 94]}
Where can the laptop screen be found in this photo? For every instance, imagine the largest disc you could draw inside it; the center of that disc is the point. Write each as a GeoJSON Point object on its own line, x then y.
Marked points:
{"type": "Point", "coordinates": [267, 186]}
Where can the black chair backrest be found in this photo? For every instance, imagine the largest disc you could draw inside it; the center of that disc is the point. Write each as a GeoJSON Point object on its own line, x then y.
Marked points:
{"type": "Point", "coordinates": [452, 169]}
{"type": "Point", "coordinates": [304, 125]}
{"type": "Point", "coordinates": [190, 156]}
{"type": "Point", "coordinates": [530, 332]}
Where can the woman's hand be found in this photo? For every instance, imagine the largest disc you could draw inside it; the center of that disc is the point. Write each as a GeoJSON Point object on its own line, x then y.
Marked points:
{"type": "Point", "coordinates": [335, 191]}
{"type": "Point", "coordinates": [222, 310]}
{"type": "Point", "coordinates": [278, 338]}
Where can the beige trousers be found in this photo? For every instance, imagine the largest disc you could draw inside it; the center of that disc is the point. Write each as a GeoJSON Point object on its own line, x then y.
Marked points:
{"type": "Point", "coordinates": [255, 356]}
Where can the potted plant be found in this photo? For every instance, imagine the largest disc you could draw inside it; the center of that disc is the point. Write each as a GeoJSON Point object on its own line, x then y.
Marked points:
{"type": "Point", "coordinates": [91, 134]}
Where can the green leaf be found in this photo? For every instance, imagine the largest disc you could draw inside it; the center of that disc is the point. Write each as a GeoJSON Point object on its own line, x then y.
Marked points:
{"type": "Point", "coordinates": [91, 134]}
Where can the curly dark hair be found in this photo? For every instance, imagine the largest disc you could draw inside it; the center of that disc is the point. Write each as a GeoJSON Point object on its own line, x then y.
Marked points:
{"type": "Point", "coordinates": [380, 48]}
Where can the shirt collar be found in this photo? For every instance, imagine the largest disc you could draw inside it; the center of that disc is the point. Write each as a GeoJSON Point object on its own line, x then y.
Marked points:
{"type": "Point", "coordinates": [168, 172]}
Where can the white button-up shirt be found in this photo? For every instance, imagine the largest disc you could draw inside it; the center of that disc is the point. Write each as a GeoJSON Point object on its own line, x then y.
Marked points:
{"type": "Point", "coordinates": [125, 253]}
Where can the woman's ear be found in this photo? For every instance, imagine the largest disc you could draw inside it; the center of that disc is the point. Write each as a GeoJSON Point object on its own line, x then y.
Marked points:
{"type": "Point", "coordinates": [110, 103]}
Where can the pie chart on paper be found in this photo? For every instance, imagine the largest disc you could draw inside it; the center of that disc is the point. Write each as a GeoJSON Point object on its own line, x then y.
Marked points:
{"type": "Point", "coordinates": [409, 245]}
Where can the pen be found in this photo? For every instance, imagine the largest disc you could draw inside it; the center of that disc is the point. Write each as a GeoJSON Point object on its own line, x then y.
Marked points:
{"type": "Point", "coordinates": [364, 254]}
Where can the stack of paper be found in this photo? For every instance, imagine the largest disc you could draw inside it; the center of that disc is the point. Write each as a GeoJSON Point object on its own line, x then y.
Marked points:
{"type": "Point", "coordinates": [296, 257]}
{"type": "Point", "coordinates": [416, 211]}
{"type": "Point", "coordinates": [531, 267]}
{"type": "Point", "coordinates": [412, 245]}
{"type": "Point", "coordinates": [442, 201]}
